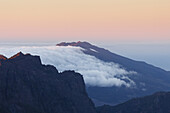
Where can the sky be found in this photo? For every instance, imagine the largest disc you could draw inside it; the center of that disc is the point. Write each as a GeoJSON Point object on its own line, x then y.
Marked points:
{"type": "Point", "coordinates": [138, 29]}
{"type": "Point", "coordinates": [155, 54]}
{"type": "Point", "coordinates": [90, 20]}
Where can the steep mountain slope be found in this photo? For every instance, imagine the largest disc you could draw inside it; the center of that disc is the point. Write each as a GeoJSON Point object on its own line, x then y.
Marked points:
{"type": "Point", "coordinates": [148, 78]}
{"type": "Point", "coordinates": [156, 103]}
{"type": "Point", "coordinates": [27, 86]}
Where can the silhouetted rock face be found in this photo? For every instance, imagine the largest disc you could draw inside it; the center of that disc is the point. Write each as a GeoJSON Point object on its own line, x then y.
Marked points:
{"type": "Point", "coordinates": [156, 103]}
{"type": "Point", "coordinates": [27, 86]}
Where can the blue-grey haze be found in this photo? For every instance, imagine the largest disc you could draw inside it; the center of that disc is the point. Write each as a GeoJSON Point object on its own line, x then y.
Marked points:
{"type": "Point", "coordinates": [155, 54]}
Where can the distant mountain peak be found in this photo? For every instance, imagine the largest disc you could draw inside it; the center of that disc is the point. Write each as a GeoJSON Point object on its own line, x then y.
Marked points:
{"type": "Point", "coordinates": [79, 43]}
{"type": "Point", "coordinates": [85, 45]}
{"type": "Point", "coordinates": [147, 77]}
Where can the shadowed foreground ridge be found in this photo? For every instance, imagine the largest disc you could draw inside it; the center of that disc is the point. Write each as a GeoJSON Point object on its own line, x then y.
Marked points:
{"type": "Point", "coordinates": [156, 103]}
{"type": "Point", "coordinates": [27, 86]}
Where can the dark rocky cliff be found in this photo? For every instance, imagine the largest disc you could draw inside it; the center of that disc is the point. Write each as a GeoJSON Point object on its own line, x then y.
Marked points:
{"type": "Point", "coordinates": [27, 86]}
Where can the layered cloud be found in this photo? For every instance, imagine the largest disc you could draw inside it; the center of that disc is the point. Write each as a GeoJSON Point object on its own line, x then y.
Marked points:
{"type": "Point", "coordinates": [94, 71]}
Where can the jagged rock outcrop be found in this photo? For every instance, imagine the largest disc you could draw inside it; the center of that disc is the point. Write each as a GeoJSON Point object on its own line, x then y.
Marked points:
{"type": "Point", "coordinates": [156, 103]}
{"type": "Point", "coordinates": [27, 86]}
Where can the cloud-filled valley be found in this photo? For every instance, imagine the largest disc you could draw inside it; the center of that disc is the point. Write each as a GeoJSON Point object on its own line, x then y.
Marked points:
{"type": "Point", "coordinates": [94, 71]}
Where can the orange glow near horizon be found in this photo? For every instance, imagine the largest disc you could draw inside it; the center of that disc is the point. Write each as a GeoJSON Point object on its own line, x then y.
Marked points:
{"type": "Point", "coordinates": [140, 20]}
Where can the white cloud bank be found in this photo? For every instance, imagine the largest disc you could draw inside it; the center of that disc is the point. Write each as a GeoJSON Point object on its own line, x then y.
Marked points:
{"type": "Point", "coordinates": [94, 71]}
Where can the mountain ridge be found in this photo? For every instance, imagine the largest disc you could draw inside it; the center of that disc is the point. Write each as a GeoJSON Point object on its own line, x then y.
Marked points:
{"type": "Point", "coordinates": [28, 86]}
{"type": "Point", "coordinates": [149, 78]}
{"type": "Point", "coordinates": [158, 102]}
{"type": "Point", "coordinates": [87, 46]}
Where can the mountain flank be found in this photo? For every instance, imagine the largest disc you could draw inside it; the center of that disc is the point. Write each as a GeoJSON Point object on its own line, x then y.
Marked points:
{"type": "Point", "coordinates": [148, 78]}
{"type": "Point", "coordinates": [156, 103]}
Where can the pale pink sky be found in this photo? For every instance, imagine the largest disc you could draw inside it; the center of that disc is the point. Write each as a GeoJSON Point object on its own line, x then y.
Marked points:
{"type": "Point", "coordinates": [93, 20]}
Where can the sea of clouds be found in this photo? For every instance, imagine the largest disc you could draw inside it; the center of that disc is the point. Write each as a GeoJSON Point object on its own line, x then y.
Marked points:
{"type": "Point", "coordinates": [94, 71]}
